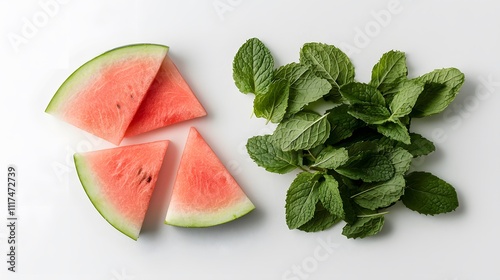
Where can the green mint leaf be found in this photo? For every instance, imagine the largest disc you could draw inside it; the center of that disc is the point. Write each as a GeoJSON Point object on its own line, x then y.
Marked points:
{"type": "Point", "coordinates": [303, 131]}
{"type": "Point", "coordinates": [360, 93]}
{"type": "Point", "coordinates": [383, 143]}
{"type": "Point", "coordinates": [331, 158]}
{"type": "Point", "coordinates": [321, 220]}
{"type": "Point", "coordinates": [419, 146]}
{"type": "Point", "coordinates": [395, 131]}
{"type": "Point", "coordinates": [253, 67]}
{"type": "Point", "coordinates": [330, 198]}
{"type": "Point", "coordinates": [428, 194]}
{"type": "Point", "coordinates": [403, 101]}
{"type": "Point", "coordinates": [291, 72]}
{"type": "Point", "coordinates": [440, 88]}
{"type": "Point", "coordinates": [401, 160]}
{"type": "Point", "coordinates": [364, 227]}
{"type": "Point", "coordinates": [370, 114]}
{"type": "Point", "coordinates": [272, 105]}
{"type": "Point", "coordinates": [382, 194]}
{"type": "Point", "coordinates": [330, 63]}
{"type": "Point", "coordinates": [305, 86]}
{"type": "Point", "coordinates": [301, 199]}
{"type": "Point", "coordinates": [368, 166]}
{"type": "Point", "coordinates": [389, 71]}
{"type": "Point", "coordinates": [342, 124]}
{"type": "Point", "coordinates": [267, 155]}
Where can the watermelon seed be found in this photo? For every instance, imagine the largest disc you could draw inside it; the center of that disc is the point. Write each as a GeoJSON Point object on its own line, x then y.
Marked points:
{"type": "Point", "coordinates": [118, 106]}
{"type": "Point", "coordinates": [149, 179]}
{"type": "Point", "coordinates": [140, 170]}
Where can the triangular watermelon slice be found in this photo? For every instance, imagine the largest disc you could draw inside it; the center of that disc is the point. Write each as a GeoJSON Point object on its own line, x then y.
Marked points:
{"type": "Point", "coordinates": [169, 100]}
{"type": "Point", "coordinates": [103, 95]}
{"type": "Point", "coordinates": [119, 182]}
{"type": "Point", "coordinates": [204, 194]}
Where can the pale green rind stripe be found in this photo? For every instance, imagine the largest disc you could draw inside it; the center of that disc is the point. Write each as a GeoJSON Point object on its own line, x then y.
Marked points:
{"type": "Point", "coordinates": [92, 187]}
{"type": "Point", "coordinates": [203, 219]}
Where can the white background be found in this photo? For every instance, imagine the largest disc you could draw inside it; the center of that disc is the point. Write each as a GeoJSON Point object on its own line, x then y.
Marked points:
{"type": "Point", "coordinates": [60, 234]}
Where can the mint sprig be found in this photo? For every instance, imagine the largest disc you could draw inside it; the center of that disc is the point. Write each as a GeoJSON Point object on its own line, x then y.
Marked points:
{"type": "Point", "coordinates": [253, 67]}
{"type": "Point", "coordinates": [354, 157]}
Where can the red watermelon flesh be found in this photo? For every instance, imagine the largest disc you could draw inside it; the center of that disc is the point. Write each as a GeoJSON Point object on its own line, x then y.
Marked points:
{"type": "Point", "coordinates": [204, 193]}
{"type": "Point", "coordinates": [103, 95]}
{"type": "Point", "coordinates": [120, 181]}
{"type": "Point", "coordinates": [169, 100]}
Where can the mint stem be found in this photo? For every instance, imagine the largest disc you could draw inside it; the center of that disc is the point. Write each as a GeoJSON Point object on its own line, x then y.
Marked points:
{"type": "Point", "coordinates": [323, 170]}
{"type": "Point", "coordinates": [304, 169]}
{"type": "Point", "coordinates": [373, 215]}
{"type": "Point", "coordinates": [309, 152]}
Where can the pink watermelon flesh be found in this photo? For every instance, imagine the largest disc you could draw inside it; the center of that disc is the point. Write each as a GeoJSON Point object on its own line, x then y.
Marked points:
{"type": "Point", "coordinates": [204, 193]}
{"type": "Point", "coordinates": [120, 181]}
{"type": "Point", "coordinates": [103, 95]}
{"type": "Point", "coordinates": [169, 100]}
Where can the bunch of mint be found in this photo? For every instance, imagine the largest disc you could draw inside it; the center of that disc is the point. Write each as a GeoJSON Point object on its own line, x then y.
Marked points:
{"type": "Point", "coordinates": [355, 157]}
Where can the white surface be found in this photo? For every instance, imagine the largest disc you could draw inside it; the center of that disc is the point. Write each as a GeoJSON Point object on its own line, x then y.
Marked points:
{"type": "Point", "coordinates": [60, 234]}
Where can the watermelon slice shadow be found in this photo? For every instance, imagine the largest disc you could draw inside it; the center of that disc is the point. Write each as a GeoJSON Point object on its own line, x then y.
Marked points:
{"type": "Point", "coordinates": [158, 204]}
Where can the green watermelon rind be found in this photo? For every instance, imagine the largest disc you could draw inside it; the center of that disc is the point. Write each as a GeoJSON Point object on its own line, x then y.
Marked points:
{"type": "Point", "coordinates": [208, 219]}
{"type": "Point", "coordinates": [86, 70]}
{"type": "Point", "coordinates": [109, 213]}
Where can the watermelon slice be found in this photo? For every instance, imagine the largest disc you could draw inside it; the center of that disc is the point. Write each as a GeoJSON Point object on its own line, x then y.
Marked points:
{"type": "Point", "coordinates": [204, 194]}
{"type": "Point", "coordinates": [103, 95]}
{"type": "Point", "coordinates": [169, 100]}
{"type": "Point", "coordinates": [119, 182]}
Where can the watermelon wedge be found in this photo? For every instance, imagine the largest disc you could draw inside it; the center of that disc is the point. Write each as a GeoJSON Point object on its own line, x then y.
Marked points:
{"type": "Point", "coordinates": [169, 100]}
{"type": "Point", "coordinates": [204, 194]}
{"type": "Point", "coordinates": [103, 95]}
{"type": "Point", "coordinates": [119, 182]}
